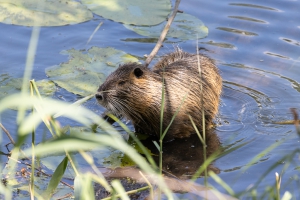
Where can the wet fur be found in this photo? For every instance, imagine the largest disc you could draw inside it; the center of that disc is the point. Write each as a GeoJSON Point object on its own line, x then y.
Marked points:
{"type": "Point", "coordinates": [138, 98]}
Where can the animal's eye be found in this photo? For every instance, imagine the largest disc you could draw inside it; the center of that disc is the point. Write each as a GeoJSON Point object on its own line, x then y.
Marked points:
{"type": "Point", "coordinates": [121, 82]}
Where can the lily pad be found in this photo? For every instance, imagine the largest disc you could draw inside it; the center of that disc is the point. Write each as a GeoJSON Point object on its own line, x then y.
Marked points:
{"type": "Point", "coordinates": [108, 157]}
{"type": "Point", "coordinates": [138, 12]}
{"type": "Point", "coordinates": [43, 12]}
{"type": "Point", "coordinates": [10, 86]}
{"type": "Point", "coordinates": [184, 27]}
{"type": "Point", "coordinates": [84, 72]}
{"type": "Point", "coordinates": [118, 159]}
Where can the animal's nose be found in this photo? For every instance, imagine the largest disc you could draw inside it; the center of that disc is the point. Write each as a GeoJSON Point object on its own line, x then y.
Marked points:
{"type": "Point", "coordinates": [99, 96]}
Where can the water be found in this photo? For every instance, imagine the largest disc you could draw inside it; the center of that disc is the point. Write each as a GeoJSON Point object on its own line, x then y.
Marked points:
{"type": "Point", "coordinates": [256, 45]}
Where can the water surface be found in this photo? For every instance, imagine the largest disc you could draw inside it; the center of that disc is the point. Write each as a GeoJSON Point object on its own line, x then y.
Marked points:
{"type": "Point", "coordinates": [256, 45]}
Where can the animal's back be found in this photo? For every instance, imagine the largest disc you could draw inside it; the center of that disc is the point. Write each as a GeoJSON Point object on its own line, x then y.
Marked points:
{"type": "Point", "coordinates": [192, 85]}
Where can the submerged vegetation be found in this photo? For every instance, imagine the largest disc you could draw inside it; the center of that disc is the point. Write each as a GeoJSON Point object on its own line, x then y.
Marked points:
{"type": "Point", "coordinates": [49, 168]}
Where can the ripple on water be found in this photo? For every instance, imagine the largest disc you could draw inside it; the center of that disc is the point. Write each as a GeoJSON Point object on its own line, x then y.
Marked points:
{"type": "Point", "coordinates": [248, 19]}
{"type": "Point", "coordinates": [243, 110]}
{"type": "Point", "coordinates": [270, 90]}
{"type": "Point", "coordinates": [220, 44]}
{"type": "Point", "coordinates": [254, 6]}
{"type": "Point", "coordinates": [253, 99]}
{"type": "Point", "coordinates": [233, 30]}
{"type": "Point", "coordinates": [276, 55]}
{"type": "Point", "coordinates": [290, 41]}
{"type": "Point", "coordinates": [236, 109]}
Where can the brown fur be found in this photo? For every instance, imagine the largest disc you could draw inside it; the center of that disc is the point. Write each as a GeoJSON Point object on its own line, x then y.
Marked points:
{"type": "Point", "coordinates": [135, 92]}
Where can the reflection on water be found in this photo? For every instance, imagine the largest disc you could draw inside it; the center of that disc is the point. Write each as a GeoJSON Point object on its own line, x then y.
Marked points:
{"type": "Point", "coordinates": [290, 41]}
{"type": "Point", "coordinates": [277, 55]}
{"type": "Point", "coordinates": [253, 6]}
{"type": "Point", "coordinates": [223, 45]}
{"type": "Point", "coordinates": [142, 40]}
{"type": "Point", "coordinates": [233, 30]}
{"type": "Point", "coordinates": [183, 157]}
{"type": "Point", "coordinates": [248, 19]}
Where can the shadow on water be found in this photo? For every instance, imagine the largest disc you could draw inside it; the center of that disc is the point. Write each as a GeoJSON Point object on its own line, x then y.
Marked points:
{"type": "Point", "coordinates": [181, 159]}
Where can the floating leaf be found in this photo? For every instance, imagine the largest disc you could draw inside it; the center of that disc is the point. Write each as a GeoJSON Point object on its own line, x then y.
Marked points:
{"type": "Point", "coordinates": [138, 12]}
{"type": "Point", "coordinates": [44, 12]}
{"type": "Point", "coordinates": [46, 87]}
{"type": "Point", "coordinates": [118, 159]}
{"type": "Point", "coordinates": [184, 27]}
{"type": "Point", "coordinates": [10, 86]}
{"type": "Point", "coordinates": [84, 72]}
{"type": "Point", "coordinates": [107, 157]}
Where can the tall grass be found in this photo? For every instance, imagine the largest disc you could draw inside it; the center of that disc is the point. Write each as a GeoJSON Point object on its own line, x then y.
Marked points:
{"type": "Point", "coordinates": [48, 111]}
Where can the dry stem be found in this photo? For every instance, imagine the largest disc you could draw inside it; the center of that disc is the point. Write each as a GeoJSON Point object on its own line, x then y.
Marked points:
{"type": "Point", "coordinates": [7, 133]}
{"type": "Point", "coordinates": [162, 35]}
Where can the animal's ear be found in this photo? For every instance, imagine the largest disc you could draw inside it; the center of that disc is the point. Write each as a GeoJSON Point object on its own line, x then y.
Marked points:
{"type": "Point", "coordinates": [138, 72]}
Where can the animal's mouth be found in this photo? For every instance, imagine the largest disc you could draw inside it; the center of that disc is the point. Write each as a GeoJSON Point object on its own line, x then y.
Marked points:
{"type": "Point", "coordinates": [112, 103]}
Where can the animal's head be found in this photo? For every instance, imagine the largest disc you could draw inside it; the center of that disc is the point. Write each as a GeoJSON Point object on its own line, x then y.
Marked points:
{"type": "Point", "coordinates": [124, 89]}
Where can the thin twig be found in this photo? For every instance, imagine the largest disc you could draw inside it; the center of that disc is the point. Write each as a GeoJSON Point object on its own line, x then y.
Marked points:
{"type": "Point", "coordinates": [129, 192]}
{"type": "Point", "coordinates": [296, 119]}
{"type": "Point", "coordinates": [162, 35]}
{"type": "Point", "coordinates": [96, 29]}
{"type": "Point", "coordinates": [288, 122]}
{"type": "Point", "coordinates": [11, 140]}
{"type": "Point", "coordinates": [65, 196]}
{"type": "Point", "coordinates": [149, 184]}
{"type": "Point", "coordinates": [8, 134]}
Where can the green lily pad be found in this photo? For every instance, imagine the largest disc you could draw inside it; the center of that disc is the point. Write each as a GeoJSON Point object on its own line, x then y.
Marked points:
{"type": "Point", "coordinates": [84, 72]}
{"type": "Point", "coordinates": [117, 159]}
{"type": "Point", "coordinates": [138, 12]}
{"type": "Point", "coordinates": [10, 86]}
{"type": "Point", "coordinates": [45, 12]}
{"type": "Point", "coordinates": [46, 87]}
{"type": "Point", "coordinates": [109, 157]}
{"type": "Point", "coordinates": [184, 27]}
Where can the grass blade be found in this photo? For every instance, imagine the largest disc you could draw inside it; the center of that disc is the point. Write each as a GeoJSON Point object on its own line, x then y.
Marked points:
{"type": "Point", "coordinates": [119, 189]}
{"type": "Point", "coordinates": [221, 182]}
{"type": "Point", "coordinates": [84, 187]}
{"type": "Point", "coordinates": [56, 177]}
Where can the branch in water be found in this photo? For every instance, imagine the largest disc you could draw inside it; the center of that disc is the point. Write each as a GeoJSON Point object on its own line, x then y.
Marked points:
{"type": "Point", "coordinates": [7, 133]}
{"type": "Point", "coordinates": [162, 35]}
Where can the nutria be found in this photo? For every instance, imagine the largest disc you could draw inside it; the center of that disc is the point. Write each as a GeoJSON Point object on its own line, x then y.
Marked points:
{"type": "Point", "coordinates": [134, 91]}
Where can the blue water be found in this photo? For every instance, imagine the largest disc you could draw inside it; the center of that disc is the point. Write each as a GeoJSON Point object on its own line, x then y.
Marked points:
{"type": "Point", "coordinates": [256, 45]}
